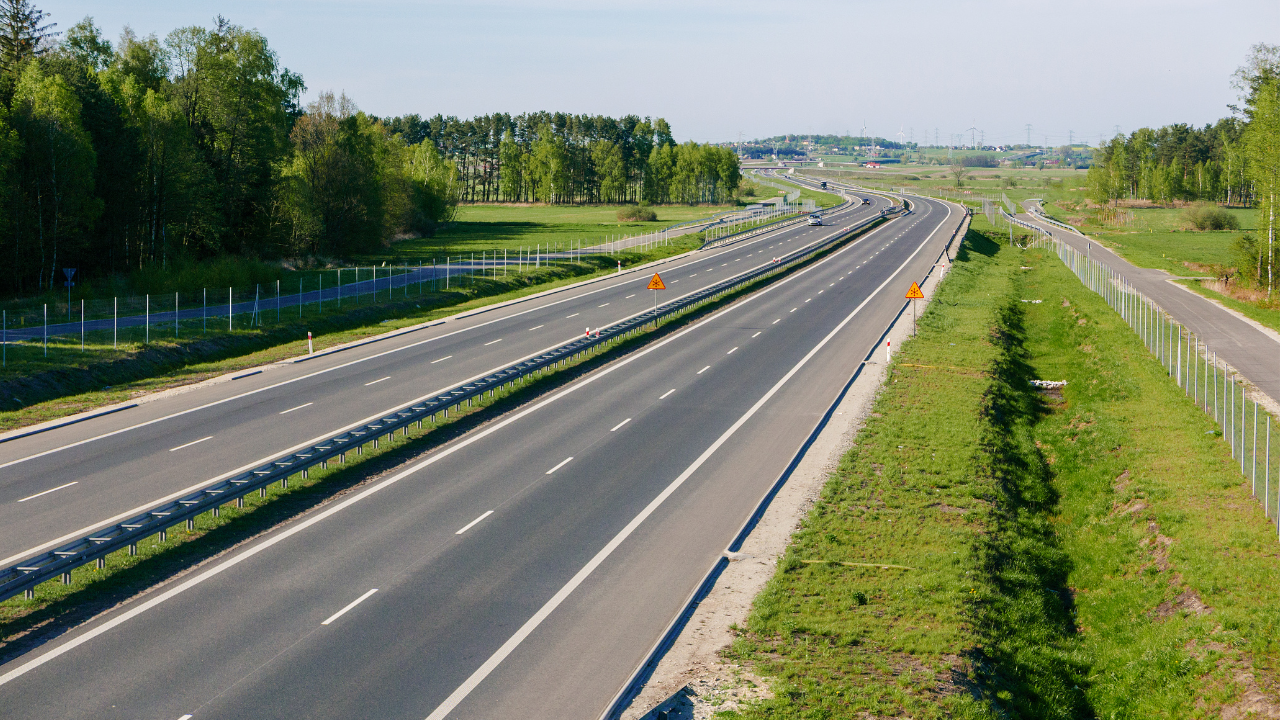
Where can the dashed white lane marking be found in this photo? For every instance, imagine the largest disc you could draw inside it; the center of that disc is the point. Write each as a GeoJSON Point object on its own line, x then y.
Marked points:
{"type": "Point", "coordinates": [375, 382]}
{"type": "Point", "coordinates": [566, 317]}
{"type": "Point", "coordinates": [285, 412]}
{"type": "Point", "coordinates": [473, 523]}
{"type": "Point", "coordinates": [665, 394]}
{"type": "Point", "coordinates": [494, 341]}
{"type": "Point", "coordinates": [807, 299]}
{"type": "Point", "coordinates": [775, 322]}
{"type": "Point", "coordinates": [602, 305]}
{"type": "Point", "coordinates": [193, 442]}
{"type": "Point", "coordinates": [535, 328]}
{"type": "Point", "coordinates": [731, 351]}
{"type": "Point", "coordinates": [757, 333]}
{"type": "Point", "coordinates": [704, 369]}
{"type": "Point", "coordinates": [561, 464]}
{"type": "Point", "coordinates": [344, 610]}
{"type": "Point", "coordinates": [46, 492]}
{"type": "Point", "coordinates": [615, 427]}
{"type": "Point", "coordinates": [793, 309]}
{"type": "Point", "coordinates": [629, 296]}
{"type": "Point", "coordinates": [446, 357]}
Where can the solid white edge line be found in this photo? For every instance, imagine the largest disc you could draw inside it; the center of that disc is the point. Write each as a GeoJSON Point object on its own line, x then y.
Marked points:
{"type": "Point", "coordinates": [473, 523]}
{"type": "Point", "coordinates": [615, 427]}
{"type": "Point", "coordinates": [354, 603]}
{"type": "Point", "coordinates": [193, 442]}
{"type": "Point", "coordinates": [691, 262]}
{"type": "Point", "coordinates": [272, 540]}
{"type": "Point", "coordinates": [559, 465]}
{"type": "Point", "coordinates": [458, 695]}
{"type": "Point", "coordinates": [283, 412]}
{"type": "Point", "coordinates": [46, 492]}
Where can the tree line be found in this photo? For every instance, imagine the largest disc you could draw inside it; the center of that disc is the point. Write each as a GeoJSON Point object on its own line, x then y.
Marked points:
{"type": "Point", "coordinates": [118, 157]}
{"type": "Point", "coordinates": [564, 158]}
{"type": "Point", "coordinates": [1234, 161]}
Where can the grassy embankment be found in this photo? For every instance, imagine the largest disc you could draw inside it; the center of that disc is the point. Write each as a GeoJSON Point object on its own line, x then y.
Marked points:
{"type": "Point", "coordinates": [35, 388]}
{"type": "Point", "coordinates": [821, 199]}
{"type": "Point", "coordinates": [987, 551]}
{"type": "Point", "coordinates": [58, 607]}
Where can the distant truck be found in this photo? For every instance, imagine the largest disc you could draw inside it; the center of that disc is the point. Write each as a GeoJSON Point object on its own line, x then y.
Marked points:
{"type": "Point", "coordinates": [824, 184]}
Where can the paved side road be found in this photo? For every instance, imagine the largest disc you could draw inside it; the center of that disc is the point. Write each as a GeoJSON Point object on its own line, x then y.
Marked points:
{"type": "Point", "coordinates": [1254, 352]}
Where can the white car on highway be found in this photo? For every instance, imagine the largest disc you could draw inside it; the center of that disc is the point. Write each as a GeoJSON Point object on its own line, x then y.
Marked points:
{"type": "Point", "coordinates": [815, 219]}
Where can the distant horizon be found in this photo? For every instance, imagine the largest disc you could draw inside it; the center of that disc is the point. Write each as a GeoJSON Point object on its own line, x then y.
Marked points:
{"type": "Point", "coordinates": [932, 70]}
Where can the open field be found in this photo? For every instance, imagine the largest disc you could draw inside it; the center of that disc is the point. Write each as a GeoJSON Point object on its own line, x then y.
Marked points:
{"type": "Point", "coordinates": [986, 550]}
{"type": "Point", "coordinates": [1169, 251]}
{"type": "Point", "coordinates": [821, 199]}
{"type": "Point", "coordinates": [484, 228]}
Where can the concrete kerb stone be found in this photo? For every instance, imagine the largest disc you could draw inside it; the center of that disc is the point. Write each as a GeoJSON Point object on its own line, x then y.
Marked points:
{"type": "Point", "coordinates": [692, 680]}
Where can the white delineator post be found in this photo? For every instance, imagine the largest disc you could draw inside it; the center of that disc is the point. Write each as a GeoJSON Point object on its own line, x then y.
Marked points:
{"type": "Point", "coordinates": [888, 351]}
{"type": "Point", "coordinates": [310, 348]}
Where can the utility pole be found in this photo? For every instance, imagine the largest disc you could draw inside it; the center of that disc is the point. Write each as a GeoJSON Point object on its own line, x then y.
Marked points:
{"type": "Point", "coordinates": [1028, 136]}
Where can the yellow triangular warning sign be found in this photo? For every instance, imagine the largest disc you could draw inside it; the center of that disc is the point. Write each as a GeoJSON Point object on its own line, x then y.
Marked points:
{"type": "Point", "coordinates": [914, 293]}
{"type": "Point", "coordinates": [656, 283]}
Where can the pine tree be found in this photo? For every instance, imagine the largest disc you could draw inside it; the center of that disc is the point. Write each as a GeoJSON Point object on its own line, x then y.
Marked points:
{"type": "Point", "coordinates": [23, 33]}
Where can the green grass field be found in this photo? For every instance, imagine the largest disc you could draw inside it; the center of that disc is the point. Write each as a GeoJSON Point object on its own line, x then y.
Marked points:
{"type": "Point", "coordinates": [484, 228]}
{"type": "Point", "coordinates": [1169, 251]}
{"type": "Point", "coordinates": [989, 551]}
{"type": "Point", "coordinates": [820, 198]}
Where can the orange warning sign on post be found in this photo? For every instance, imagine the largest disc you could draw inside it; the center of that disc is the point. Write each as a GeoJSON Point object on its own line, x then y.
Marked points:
{"type": "Point", "coordinates": [656, 283]}
{"type": "Point", "coordinates": [914, 293]}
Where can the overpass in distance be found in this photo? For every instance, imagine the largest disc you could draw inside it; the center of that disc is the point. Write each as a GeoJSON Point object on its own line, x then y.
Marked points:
{"type": "Point", "coordinates": [524, 569]}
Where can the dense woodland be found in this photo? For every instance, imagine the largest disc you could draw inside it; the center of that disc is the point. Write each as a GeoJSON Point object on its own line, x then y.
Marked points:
{"type": "Point", "coordinates": [134, 154]}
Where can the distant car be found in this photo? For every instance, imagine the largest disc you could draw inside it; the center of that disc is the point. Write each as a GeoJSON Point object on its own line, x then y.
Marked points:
{"type": "Point", "coordinates": [866, 201]}
{"type": "Point", "coordinates": [815, 219]}
{"type": "Point", "coordinates": [824, 184]}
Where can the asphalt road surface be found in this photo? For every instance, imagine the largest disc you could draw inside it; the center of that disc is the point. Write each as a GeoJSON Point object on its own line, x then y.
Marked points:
{"type": "Point", "coordinates": [523, 570]}
{"type": "Point", "coordinates": [1252, 352]}
{"type": "Point", "coordinates": [64, 483]}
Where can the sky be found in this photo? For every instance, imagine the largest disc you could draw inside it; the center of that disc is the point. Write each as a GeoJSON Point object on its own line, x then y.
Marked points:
{"type": "Point", "coordinates": [718, 71]}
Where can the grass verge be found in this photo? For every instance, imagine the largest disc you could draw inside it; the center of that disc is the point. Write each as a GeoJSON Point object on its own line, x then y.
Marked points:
{"type": "Point", "coordinates": [35, 388]}
{"type": "Point", "coordinates": [56, 607]}
{"type": "Point", "coordinates": [1089, 552]}
{"type": "Point", "coordinates": [1269, 316]}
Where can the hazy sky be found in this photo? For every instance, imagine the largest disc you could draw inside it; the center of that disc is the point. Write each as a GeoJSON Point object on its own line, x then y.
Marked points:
{"type": "Point", "coordinates": [717, 69]}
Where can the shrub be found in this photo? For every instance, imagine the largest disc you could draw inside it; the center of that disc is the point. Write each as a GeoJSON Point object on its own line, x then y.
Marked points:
{"type": "Point", "coordinates": [637, 213]}
{"type": "Point", "coordinates": [1207, 216]}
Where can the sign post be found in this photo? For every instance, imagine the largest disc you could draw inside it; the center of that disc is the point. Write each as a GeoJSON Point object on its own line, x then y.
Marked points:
{"type": "Point", "coordinates": [70, 273]}
{"type": "Point", "coordinates": [656, 284]}
{"type": "Point", "coordinates": [914, 294]}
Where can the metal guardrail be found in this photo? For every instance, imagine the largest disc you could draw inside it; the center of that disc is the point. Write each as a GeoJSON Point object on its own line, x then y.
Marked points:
{"type": "Point", "coordinates": [25, 575]}
{"type": "Point", "coordinates": [768, 227]}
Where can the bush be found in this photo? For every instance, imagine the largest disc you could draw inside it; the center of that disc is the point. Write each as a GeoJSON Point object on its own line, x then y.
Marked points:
{"type": "Point", "coordinates": [1207, 216]}
{"type": "Point", "coordinates": [637, 213]}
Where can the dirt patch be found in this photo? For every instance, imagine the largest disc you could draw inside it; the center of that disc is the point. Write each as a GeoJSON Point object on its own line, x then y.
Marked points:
{"type": "Point", "coordinates": [1121, 482]}
{"type": "Point", "coordinates": [1129, 508]}
{"type": "Point", "coordinates": [1188, 602]}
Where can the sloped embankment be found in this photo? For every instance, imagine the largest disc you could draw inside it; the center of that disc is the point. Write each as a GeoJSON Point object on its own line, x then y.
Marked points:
{"type": "Point", "coordinates": [990, 550]}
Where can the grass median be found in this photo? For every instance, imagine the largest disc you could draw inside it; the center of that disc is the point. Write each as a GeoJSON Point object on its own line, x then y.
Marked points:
{"type": "Point", "coordinates": [990, 550]}
{"type": "Point", "coordinates": [56, 607]}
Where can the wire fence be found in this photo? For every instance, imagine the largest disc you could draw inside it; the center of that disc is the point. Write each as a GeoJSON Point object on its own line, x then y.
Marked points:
{"type": "Point", "coordinates": [1215, 387]}
{"type": "Point", "coordinates": [98, 324]}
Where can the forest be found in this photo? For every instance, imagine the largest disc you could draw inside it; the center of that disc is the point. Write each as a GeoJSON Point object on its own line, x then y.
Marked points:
{"type": "Point", "coordinates": [121, 156]}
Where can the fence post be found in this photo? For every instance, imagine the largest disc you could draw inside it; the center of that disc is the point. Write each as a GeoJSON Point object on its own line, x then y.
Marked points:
{"type": "Point", "coordinates": [175, 315]}
{"type": "Point", "coordinates": [46, 329]}
{"type": "Point", "coordinates": [228, 309]}
{"type": "Point", "coordinates": [81, 324]}
{"type": "Point", "coordinates": [147, 320]}
{"type": "Point", "coordinates": [115, 318]}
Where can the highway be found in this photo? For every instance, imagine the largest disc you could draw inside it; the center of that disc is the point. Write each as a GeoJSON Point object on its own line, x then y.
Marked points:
{"type": "Point", "coordinates": [69, 481]}
{"type": "Point", "coordinates": [522, 570]}
{"type": "Point", "coordinates": [1247, 348]}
